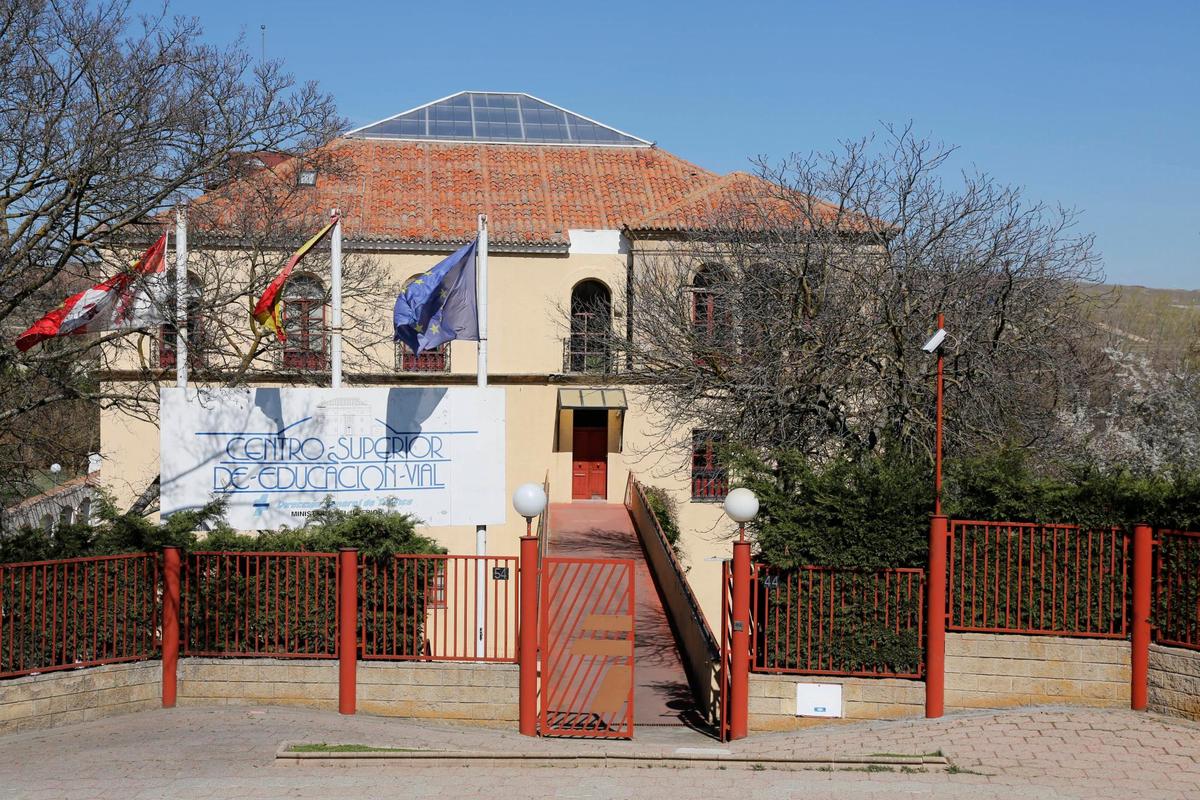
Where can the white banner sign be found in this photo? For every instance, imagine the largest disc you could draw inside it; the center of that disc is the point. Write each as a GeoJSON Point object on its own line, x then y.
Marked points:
{"type": "Point", "coordinates": [275, 455]}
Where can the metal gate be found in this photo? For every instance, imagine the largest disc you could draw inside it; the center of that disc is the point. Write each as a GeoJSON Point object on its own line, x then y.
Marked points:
{"type": "Point", "coordinates": [586, 642]}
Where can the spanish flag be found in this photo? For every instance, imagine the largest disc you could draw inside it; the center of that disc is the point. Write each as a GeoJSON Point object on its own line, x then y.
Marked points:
{"type": "Point", "coordinates": [268, 312]}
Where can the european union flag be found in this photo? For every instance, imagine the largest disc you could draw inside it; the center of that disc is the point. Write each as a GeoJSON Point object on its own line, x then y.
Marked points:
{"type": "Point", "coordinates": [439, 305]}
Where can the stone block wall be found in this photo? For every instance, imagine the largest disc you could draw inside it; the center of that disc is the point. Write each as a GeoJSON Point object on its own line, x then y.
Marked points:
{"type": "Point", "coordinates": [258, 681]}
{"type": "Point", "coordinates": [1174, 681]}
{"type": "Point", "coordinates": [478, 693]}
{"type": "Point", "coordinates": [773, 700]}
{"type": "Point", "coordinates": [67, 696]}
{"type": "Point", "coordinates": [985, 670]}
{"type": "Point", "coordinates": [484, 694]}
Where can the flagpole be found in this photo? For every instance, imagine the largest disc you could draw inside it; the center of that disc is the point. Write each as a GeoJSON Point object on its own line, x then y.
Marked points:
{"type": "Point", "coordinates": [481, 298]}
{"type": "Point", "coordinates": [335, 247]}
{"type": "Point", "coordinates": [181, 298]}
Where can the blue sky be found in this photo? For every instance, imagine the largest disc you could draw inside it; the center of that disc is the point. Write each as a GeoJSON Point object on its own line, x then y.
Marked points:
{"type": "Point", "coordinates": [1092, 105]}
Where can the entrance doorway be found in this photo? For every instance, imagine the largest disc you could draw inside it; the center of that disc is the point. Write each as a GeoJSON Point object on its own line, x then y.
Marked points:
{"type": "Point", "coordinates": [589, 455]}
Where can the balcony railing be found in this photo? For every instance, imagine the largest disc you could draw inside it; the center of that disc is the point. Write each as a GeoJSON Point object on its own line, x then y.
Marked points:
{"type": "Point", "coordinates": [436, 360]}
{"type": "Point", "coordinates": [583, 355]}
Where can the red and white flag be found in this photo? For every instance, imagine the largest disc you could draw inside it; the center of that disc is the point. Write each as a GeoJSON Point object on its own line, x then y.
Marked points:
{"type": "Point", "coordinates": [136, 298]}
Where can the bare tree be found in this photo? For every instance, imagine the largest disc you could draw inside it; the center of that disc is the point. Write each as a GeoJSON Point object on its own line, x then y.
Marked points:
{"type": "Point", "coordinates": [793, 315]}
{"type": "Point", "coordinates": [105, 122]}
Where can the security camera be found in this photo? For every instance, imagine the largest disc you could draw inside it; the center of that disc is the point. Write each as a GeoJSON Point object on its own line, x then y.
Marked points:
{"type": "Point", "coordinates": [935, 341]}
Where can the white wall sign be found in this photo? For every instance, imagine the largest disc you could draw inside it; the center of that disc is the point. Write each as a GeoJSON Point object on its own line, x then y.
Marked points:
{"type": "Point", "coordinates": [818, 700]}
{"type": "Point", "coordinates": [277, 454]}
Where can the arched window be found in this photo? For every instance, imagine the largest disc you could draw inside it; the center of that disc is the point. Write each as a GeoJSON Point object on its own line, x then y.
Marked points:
{"type": "Point", "coordinates": [168, 333]}
{"type": "Point", "coordinates": [85, 511]}
{"type": "Point", "coordinates": [304, 323]}
{"type": "Point", "coordinates": [712, 321]}
{"type": "Point", "coordinates": [587, 348]}
{"type": "Point", "coordinates": [66, 515]}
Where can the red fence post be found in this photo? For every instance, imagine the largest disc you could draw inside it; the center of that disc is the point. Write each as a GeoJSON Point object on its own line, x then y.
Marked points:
{"type": "Point", "coordinates": [1139, 658]}
{"type": "Point", "coordinates": [527, 636]}
{"type": "Point", "coordinates": [347, 628]}
{"type": "Point", "coordinates": [935, 619]}
{"type": "Point", "coordinates": [739, 684]}
{"type": "Point", "coordinates": [170, 625]}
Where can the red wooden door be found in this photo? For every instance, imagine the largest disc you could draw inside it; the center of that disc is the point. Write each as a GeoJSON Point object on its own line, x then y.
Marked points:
{"type": "Point", "coordinates": [589, 465]}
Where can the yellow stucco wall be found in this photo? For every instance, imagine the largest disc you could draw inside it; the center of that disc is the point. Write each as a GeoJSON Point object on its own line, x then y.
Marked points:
{"type": "Point", "coordinates": [529, 296]}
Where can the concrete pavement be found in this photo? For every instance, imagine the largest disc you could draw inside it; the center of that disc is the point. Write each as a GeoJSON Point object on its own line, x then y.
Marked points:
{"type": "Point", "coordinates": [228, 752]}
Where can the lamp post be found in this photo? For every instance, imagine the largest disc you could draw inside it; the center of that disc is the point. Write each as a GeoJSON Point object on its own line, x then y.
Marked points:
{"type": "Point", "coordinates": [934, 345]}
{"type": "Point", "coordinates": [935, 586]}
{"type": "Point", "coordinates": [741, 505]}
{"type": "Point", "coordinates": [529, 500]}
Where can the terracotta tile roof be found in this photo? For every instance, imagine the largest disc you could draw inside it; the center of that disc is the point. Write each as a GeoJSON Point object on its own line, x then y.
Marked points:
{"type": "Point", "coordinates": [737, 196]}
{"type": "Point", "coordinates": [404, 192]}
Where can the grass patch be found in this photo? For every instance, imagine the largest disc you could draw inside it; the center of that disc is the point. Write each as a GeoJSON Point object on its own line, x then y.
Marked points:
{"type": "Point", "coordinates": [347, 748]}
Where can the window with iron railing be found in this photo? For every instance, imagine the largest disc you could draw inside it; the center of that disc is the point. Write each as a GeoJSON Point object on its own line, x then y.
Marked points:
{"type": "Point", "coordinates": [435, 360]}
{"type": "Point", "coordinates": [306, 347]}
{"type": "Point", "coordinates": [712, 321]}
{"type": "Point", "coordinates": [588, 348]}
{"type": "Point", "coordinates": [165, 345]}
{"type": "Point", "coordinates": [710, 478]}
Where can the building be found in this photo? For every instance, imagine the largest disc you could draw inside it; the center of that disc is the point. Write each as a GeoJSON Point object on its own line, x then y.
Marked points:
{"type": "Point", "coordinates": [573, 206]}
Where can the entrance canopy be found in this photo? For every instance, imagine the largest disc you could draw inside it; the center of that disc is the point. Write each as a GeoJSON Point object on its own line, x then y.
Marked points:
{"type": "Point", "coordinates": [592, 398]}
{"type": "Point", "coordinates": [608, 404]}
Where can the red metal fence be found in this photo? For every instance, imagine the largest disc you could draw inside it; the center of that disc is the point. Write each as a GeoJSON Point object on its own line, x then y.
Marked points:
{"type": "Point", "coordinates": [77, 612]}
{"type": "Point", "coordinates": [282, 605]}
{"type": "Point", "coordinates": [827, 621]}
{"type": "Point", "coordinates": [1015, 577]}
{"type": "Point", "coordinates": [441, 608]}
{"type": "Point", "coordinates": [1177, 590]}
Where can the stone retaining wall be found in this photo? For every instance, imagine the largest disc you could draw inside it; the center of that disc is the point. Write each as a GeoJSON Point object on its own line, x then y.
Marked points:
{"type": "Point", "coordinates": [1174, 681]}
{"type": "Point", "coordinates": [483, 694]}
{"type": "Point", "coordinates": [66, 696]}
{"type": "Point", "coordinates": [773, 699]}
{"type": "Point", "coordinates": [987, 670]}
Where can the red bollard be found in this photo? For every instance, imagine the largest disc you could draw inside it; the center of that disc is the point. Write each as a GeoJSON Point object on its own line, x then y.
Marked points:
{"type": "Point", "coordinates": [527, 637]}
{"type": "Point", "coordinates": [347, 611]}
{"type": "Point", "coordinates": [170, 625]}
{"type": "Point", "coordinates": [739, 678]}
{"type": "Point", "coordinates": [1139, 656]}
{"type": "Point", "coordinates": [935, 619]}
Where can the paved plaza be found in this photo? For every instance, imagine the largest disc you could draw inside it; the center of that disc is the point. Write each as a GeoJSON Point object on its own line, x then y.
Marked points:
{"type": "Point", "coordinates": [229, 752]}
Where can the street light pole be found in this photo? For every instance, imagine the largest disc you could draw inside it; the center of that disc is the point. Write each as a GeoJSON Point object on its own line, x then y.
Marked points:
{"type": "Point", "coordinates": [937, 478]}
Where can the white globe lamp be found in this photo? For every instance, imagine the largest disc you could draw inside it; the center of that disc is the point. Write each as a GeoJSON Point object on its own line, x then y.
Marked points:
{"type": "Point", "coordinates": [742, 506]}
{"type": "Point", "coordinates": [529, 500]}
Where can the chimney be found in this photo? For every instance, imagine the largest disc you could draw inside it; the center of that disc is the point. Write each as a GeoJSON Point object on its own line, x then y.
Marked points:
{"type": "Point", "coordinates": [94, 463]}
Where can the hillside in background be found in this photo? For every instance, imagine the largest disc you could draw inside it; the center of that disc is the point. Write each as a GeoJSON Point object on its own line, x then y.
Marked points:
{"type": "Point", "coordinates": [1163, 324]}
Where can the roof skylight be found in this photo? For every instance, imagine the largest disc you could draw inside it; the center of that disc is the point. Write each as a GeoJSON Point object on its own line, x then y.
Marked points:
{"type": "Point", "coordinates": [497, 117]}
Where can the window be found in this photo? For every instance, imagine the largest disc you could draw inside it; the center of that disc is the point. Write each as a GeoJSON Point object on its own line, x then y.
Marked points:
{"type": "Point", "coordinates": [710, 480]}
{"type": "Point", "coordinates": [587, 348]}
{"type": "Point", "coordinates": [435, 360]}
{"type": "Point", "coordinates": [712, 321]}
{"type": "Point", "coordinates": [304, 324]}
{"type": "Point", "coordinates": [168, 333]}
{"type": "Point", "coordinates": [435, 589]}
{"type": "Point", "coordinates": [66, 516]}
